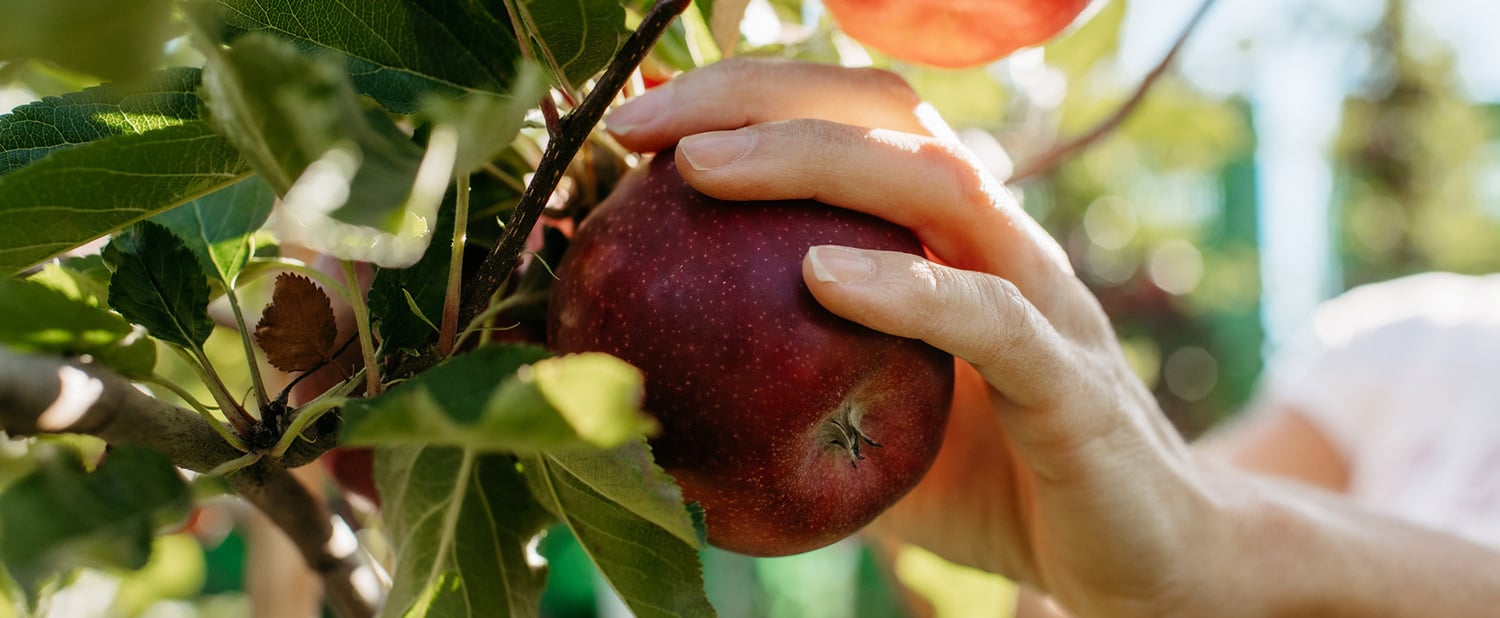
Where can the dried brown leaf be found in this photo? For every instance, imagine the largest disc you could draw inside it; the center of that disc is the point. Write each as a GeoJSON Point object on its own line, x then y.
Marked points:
{"type": "Point", "coordinates": [297, 329]}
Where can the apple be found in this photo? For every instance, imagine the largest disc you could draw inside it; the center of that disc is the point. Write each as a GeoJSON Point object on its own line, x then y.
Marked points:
{"type": "Point", "coordinates": [790, 426]}
{"type": "Point", "coordinates": [953, 33]}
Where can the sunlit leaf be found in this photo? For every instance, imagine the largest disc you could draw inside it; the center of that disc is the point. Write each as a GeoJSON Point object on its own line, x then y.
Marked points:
{"type": "Point", "coordinates": [37, 318]}
{"type": "Point", "coordinates": [460, 525]}
{"type": "Point", "coordinates": [78, 194]}
{"type": "Point", "coordinates": [505, 398]}
{"type": "Point", "coordinates": [158, 284]}
{"type": "Point", "coordinates": [399, 51]}
{"type": "Point", "coordinates": [83, 279]}
{"type": "Point", "coordinates": [32, 131]}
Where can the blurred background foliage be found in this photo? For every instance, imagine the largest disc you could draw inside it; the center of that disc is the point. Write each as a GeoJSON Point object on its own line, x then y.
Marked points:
{"type": "Point", "coordinates": [1165, 218]}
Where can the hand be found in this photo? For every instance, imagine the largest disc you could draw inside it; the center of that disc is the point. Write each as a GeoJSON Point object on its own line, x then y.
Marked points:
{"type": "Point", "coordinates": [1058, 468]}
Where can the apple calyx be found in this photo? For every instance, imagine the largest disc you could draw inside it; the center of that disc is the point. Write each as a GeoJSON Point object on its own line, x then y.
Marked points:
{"type": "Point", "coordinates": [842, 430]}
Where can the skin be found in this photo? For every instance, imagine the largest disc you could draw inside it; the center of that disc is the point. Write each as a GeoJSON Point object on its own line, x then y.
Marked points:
{"type": "Point", "coordinates": [1058, 469]}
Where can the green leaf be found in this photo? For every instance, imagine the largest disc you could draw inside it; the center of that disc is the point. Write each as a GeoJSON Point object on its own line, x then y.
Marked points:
{"type": "Point", "coordinates": [36, 318]}
{"type": "Point", "coordinates": [628, 476]}
{"type": "Point", "coordinates": [79, 278]}
{"type": "Point", "coordinates": [484, 123]}
{"type": "Point", "coordinates": [655, 570]}
{"type": "Point", "coordinates": [577, 37]}
{"type": "Point", "coordinates": [426, 283]}
{"type": "Point", "coordinates": [353, 184]}
{"type": "Point", "coordinates": [217, 227]}
{"type": "Point", "coordinates": [398, 51]}
{"type": "Point", "coordinates": [78, 194]}
{"type": "Point", "coordinates": [61, 517]}
{"type": "Point", "coordinates": [460, 525]}
{"type": "Point", "coordinates": [158, 284]}
{"type": "Point", "coordinates": [114, 39]}
{"type": "Point", "coordinates": [32, 131]}
{"type": "Point", "coordinates": [506, 398]}
{"type": "Point", "coordinates": [284, 110]}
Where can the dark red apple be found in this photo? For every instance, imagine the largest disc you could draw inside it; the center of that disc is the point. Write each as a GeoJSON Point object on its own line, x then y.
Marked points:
{"type": "Point", "coordinates": [792, 427]}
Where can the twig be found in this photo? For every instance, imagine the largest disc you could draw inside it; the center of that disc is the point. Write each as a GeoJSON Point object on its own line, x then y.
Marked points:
{"type": "Point", "coordinates": [1049, 160]}
{"type": "Point", "coordinates": [576, 127]}
{"type": "Point", "coordinates": [47, 395]}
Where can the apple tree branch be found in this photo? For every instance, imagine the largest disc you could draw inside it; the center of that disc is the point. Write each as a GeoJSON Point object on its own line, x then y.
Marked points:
{"type": "Point", "coordinates": [1055, 156]}
{"type": "Point", "coordinates": [48, 395]}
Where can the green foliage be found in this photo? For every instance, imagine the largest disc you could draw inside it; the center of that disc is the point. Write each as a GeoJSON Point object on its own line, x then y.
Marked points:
{"type": "Point", "coordinates": [158, 284]}
{"type": "Point", "coordinates": [39, 319]}
{"type": "Point", "coordinates": [32, 131]}
{"type": "Point", "coordinates": [460, 524]}
{"type": "Point", "coordinates": [398, 52]}
{"type": "Point", "coordinates": [505, 398]}
{"type": "Point", "coordinates": [576, 38]}
{"type": "Point", "coordinates": [217, 227]}
{"type": "Point", "coordinates": [486, 124]}
{"type": "Point", "coordinates": [81, 193]}
{"type": "Point", "coordinates": [399, 294]}
{"type": "Point", "coordinates": [60, 516]}
{"type": "Point", "coordinates": [115, 39]}
{"type": "Point", "coordinates": [653, 568]}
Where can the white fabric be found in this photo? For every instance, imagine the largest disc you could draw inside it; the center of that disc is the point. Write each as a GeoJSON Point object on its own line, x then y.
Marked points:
{"type": "Point", "coordinates": [1404, 378]}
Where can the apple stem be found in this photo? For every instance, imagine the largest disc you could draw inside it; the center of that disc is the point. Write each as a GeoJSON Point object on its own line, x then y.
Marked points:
{"type": "Point", "coordinates": [847, 435]}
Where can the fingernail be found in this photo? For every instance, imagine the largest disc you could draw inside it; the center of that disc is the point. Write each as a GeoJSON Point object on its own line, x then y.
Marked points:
{"type": "Point", "coordinates": [710, 151]}
{"type": "Point", "coordinates": [640, 111]}
{"type": "Point", "coordinates": [834, 264]}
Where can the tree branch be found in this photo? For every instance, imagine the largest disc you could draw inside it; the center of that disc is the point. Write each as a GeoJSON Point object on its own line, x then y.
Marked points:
{"type": "Point", "coordinates": [575, 130]}
{"type": "Point", "coordinates": [1049, 160]}
{"type": "Point", "coordinates": [45, 395]}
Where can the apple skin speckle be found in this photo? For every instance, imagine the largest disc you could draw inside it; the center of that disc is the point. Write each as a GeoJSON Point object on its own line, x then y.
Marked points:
{"type": "Point", "coordinates": [744, 369]}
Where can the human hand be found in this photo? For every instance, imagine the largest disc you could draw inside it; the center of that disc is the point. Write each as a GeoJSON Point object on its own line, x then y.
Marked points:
{"type": "Point", "coordinates": [1058, 468]}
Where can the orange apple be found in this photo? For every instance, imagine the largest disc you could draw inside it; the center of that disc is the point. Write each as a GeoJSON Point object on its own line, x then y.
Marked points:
{"type": "Point", "coordinates": [953, 33]}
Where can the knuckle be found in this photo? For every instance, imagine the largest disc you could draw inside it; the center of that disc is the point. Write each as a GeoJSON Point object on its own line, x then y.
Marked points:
{"type": "Point", "coordinates": [969, 182]}
{"type": "Point", "coordinates": [889, 85]}
{"type": "Point", "coordinates": [1016, 324]}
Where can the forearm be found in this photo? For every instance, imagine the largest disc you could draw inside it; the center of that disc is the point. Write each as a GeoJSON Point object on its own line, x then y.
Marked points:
{"type": "Point", "coordinates": [1304, 552]}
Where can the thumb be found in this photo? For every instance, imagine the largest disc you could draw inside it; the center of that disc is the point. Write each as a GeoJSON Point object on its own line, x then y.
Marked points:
{"type": "Point", "coordinates": [977, 317]}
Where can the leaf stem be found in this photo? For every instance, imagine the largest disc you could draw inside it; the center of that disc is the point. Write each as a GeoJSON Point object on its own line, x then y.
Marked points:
{"type": "Point", "coordinates": [234, 465]}
{"type": "Point", "coordinates": [231, 409]}
{"type": "Point", "coordinates": [451, 301]}
{"type": "Point", "coordinates": [576, 127]}
{"type": "Point", "coordinates": [306, 416]}
{"type": "Point", "coordinates": [362, 323]}
{"type": "Point", "coordinates": [202, 410]}
{"type": "Point", "coordinates": [261, 399]}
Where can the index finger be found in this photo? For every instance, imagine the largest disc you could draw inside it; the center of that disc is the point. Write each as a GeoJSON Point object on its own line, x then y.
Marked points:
{"type": "Point", "coordinates": [738, 93]}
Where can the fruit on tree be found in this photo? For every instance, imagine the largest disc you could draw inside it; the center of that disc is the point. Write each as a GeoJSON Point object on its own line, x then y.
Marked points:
{"type": "Point", "coordinates": [790, 426]}
{"type": "Point", "coordinates": [953, 33]}
{"type": "Point", "coordinates": [353, 468]}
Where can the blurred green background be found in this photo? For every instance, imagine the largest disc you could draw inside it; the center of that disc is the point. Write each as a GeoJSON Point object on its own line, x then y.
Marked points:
{"type": "Point", "coordinates": [1295, 149]}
